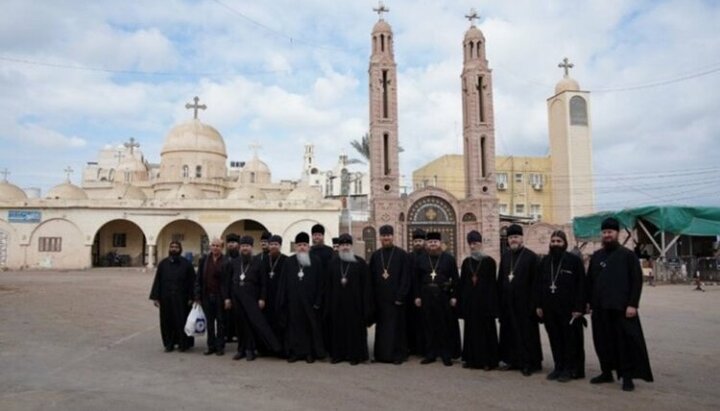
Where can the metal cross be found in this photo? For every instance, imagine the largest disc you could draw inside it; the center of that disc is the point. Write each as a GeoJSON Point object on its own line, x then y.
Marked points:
{"type": "Point", "coordinates": [566, 65]}
{"type": "Point", "coordinates": [4, 173]}
{"type": "Point", "coordinates": [380, 9]}
{"type": "Point", "coordinates": [119, 155]}
{"type": "Point", "coordinates": [132, 144]}
{"type": "Point", "coordinates": [68, 172]}
{"type": "Point", "coordinates": [255, 147]}
{"type": "Point", "coordinates": [196, 107]}
{"type": "Point", "coordinates": [472, 16]}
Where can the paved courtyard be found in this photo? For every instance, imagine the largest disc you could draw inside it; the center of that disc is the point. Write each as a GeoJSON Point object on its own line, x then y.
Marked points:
{"type": "Point", "coordinates": [89, 340]}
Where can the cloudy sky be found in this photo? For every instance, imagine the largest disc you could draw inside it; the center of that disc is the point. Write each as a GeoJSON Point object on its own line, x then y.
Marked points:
{"type": "Point", "coordinates": [78, 75]}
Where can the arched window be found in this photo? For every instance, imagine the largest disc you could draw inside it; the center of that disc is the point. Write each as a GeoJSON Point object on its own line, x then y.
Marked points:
{"type": "Point", "coordinates": [198, 171]}
{"type": "Point", "coordinates": [578, 111]}
{"type": "Point", "coordinates": [185, 171]}
{"type": "Point", "coordinates": [252, 177]}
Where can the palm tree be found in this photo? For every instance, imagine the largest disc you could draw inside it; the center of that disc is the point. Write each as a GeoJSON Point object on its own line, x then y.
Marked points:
{"type": "Point", "coordinates": [362, 146]}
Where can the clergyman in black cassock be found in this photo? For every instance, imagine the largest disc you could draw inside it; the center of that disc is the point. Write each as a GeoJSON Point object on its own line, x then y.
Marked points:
{"type": "Point", "coordinates": [350, 305]}
{"type": "Point", "coordinates": [172, 291]}
{"type": "Point", "coordinates": [478, 304]}
{"type": "Point", "coordinates": [323, 253]}
{"type": "Point", "coordinates": [560, 299]}
{"type": "Point", "coordinates": [614, 286]}
{"type": "Point", "coordinates": [271, 264]}
{"type": "Point", "coordinates": [437, 275]}
{"type": "Point", "coordinates": [208, 286]}
{"type": "Point", "coordinates": [245, 290]}
{"type": "Point", "coordinates": [299, 301]}
{"type": "Point", "coordinates": [390, 272]}
{"type": "Point", "coordinates": [232, 251]}
{"type": "Point", "coordinates": [519, 325]}
{"type": "Point", "coordinates": [415, 328]}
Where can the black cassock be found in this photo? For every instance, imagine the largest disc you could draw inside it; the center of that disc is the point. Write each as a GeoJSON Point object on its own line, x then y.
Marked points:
{"type": "Point", "coordinates": [350, 309]}
{"type": "Point", "coordinates": [272, 269]}
{"type": "Point", "coordinates": [245, 284]}
{"type": "Point", "coordinates": [558, 300]}
{"type": "Point", "coordinates": [614, 283]}
{"type": "Point", "coordinates": [390, 271]}
{"type": "Point", "coordinates": [299, 301]}
{"type": "Point", "coordinates": [478, 305]}
{"type": "Point", "coordinates": [324, 253]}
{"type": "Point", "coordinates": [230, 323]}
{"type": "Point", "coordinates": [439, 321]}
{"type": "Point", "coordinates": [174, 287]}
{"type": "Point", "coordinates": [414, 324]}
{"type": "Point", "coordinates": [519, 324]}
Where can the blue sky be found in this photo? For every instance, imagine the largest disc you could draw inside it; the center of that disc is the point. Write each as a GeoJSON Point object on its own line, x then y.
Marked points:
{"type": "Point", "coordinates": [78, 75]}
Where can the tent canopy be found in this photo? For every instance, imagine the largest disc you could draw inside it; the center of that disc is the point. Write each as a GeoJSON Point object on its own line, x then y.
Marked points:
{"type": "Point", "coordinates": [692, 221]}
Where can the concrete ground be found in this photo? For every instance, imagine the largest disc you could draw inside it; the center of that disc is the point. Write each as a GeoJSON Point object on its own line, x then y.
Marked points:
{"type": "Point", "coordinates": [89, 340]}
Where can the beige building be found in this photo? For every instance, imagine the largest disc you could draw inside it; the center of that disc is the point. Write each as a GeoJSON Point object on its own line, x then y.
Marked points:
{"type": "Point", "coordinates": [553, 188]}
{"type": "Point", "coordinates": [129, 209]}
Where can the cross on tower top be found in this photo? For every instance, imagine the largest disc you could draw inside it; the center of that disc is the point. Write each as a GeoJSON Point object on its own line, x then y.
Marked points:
{"type": "Point", "coordinates": [132, 144]}
{"type": "Point", "coordinates": [119, 155]}
{"type": "Point", "coordinates": [566, 65]}
{"type": "Point", "coordinates": [68, 172]}
{"type": "Point", "coordinates": [380, 9]}
{"type": "Point", "coordinates": [472, 16]}
{"type": "Point", "coordinates": [255, 147]}
{"type": "Point", "coordinates": [195, 107]}
{"type": "Point", "coordinates": [4, 173]}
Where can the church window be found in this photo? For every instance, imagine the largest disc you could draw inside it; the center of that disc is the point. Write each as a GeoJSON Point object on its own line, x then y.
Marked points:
{"type": "Point", "coordinates": [111, 174]}
{"type": "Point", "coordinates": [385, 93]}
{"type": "Point", "coordinates": [482, 157]}
{"type": "Point", "coordinates": [382, 42]}
{"type": "Point", "coordinates": [128, 176]}
{"type": "Point", "coordinates": [252, 177]}
{"type": "Point", "coordinates": [50, 244]}
{"type": "Point", "coordinates": [198, 171]}
{"type": "Point", "coordinates": [481, 102]}
{"type": "Point", "coordinates": [578, 111]}
{"type": "Point", "coordinates": [472, 49]}
{"type": "Point", "coordinates": [386, 154]}
{"type": "Point", "coordinates": [185, 171]}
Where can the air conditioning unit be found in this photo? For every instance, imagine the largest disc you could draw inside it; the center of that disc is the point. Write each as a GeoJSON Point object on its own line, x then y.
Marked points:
{"type": "Point", "coordinates": [537, 217]}
{"type": "Point", "coordinates": [502, 186]}
{"type": "Point", "coordinates": [537, 186]}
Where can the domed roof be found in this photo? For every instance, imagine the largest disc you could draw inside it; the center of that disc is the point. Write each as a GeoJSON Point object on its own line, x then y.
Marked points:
{"type": "Point", "coordinates": [131, 164]}
{"type": "Point", "coordinates": [382, 26]}
{"type": "Point", "coordinates": [256, 165]}
{"type": "Point", "coordinates": [184, 192]}
{"type": "Point", "coordinates": [474, 33]}
{"type": "Point", "coordinates": [246, 193]}
{"type": "Point", "coordinates": [194, 136]}
{"type": "Point", "coordinates": [67, 191]}
{"type": "Point", "coordinates": [126, 192]}
{"type": "Point", "coordinates": [567, 84]}
{"type": "Point", "coordinates": [11, 192]}
{"type": "Point", "coordinates": [304, 193]}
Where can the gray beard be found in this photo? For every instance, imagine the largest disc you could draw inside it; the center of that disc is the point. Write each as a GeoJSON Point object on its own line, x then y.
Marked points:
{"type": "Point", "coordinates": [347, 256]}
{"type": "Point", "coordinates": [477, 255]}
{"type": "Point", "coordinates": [303, 259]}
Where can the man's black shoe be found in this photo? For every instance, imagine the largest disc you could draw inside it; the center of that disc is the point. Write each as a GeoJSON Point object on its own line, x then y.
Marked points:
{"type": "Point", "coordinates": [239, 356]}
{"type": "Point", "coordinates": [628, 384]}
{"type": "Point", "coordinates": [553, 375]}
{"type": "Point", "coordinates": [602, 379]}
{"type": "Point", "coordinates": [427, 361]}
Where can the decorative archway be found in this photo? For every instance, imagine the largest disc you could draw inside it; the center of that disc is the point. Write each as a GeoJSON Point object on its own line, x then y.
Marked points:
{"type": "Point", "coordinates": [191, 235]}
{"type": "Point", "coordinates": [247, 227]}
{"type": "Point", "coordinates": [433, 213]}
{"type": "Point", "coordinates": [119, 243]}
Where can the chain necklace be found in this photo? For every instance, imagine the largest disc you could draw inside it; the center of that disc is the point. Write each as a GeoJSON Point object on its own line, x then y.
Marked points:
{"type": "Point", "coordinates": [433, 274]}
{"type": "Point", "coordinates": [554, 274]}
{"type": "Point", "coordinates": [475, 270]}
{"type": "Point", "coordinates": [344, 273]}
{"type": "Point", "coordinates": [385, 273]}
{"type": "Point", "coordinates": [243, 270]}
{"type": "Point", "coordinates": [513, 265]}
{"type": "Point", "coordinates": [272, 266]}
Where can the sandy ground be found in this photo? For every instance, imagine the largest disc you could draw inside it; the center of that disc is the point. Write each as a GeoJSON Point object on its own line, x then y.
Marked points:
{"type": "Point", "coordinates": [89, 340]}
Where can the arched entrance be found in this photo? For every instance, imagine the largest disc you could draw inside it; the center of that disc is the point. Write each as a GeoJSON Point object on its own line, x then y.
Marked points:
{"type": "Point", "coordinates": [433, 214]}
{"type": "Point", "coordinates": [190, 234]}
{"type": "Point", "coordinates": [119, 243]}
{"type": "Point", "coordinates": [247, 227]}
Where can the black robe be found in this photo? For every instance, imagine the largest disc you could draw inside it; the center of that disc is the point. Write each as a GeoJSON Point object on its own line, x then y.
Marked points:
{"type": "Point", "coordinates": [230, 331]}
{"type": "Point", "coordinates": [299, 301]}
{"type": "Point", "coordinates": [245, 294]}
{"type": "Point", "coordinates": [478, 305]}
{"type": "Point", "coordinates": [324, 253]}
{"type": "Point", "coordinates": [272, 269]}
{"type": "Point", "coordinates": [174, 287]}
{"type": "Point", "coordinates": [558, 303]}
{"type": "Point", "coordinates": [519, 325]}
{"type": "Point", "coordinates": [390, 295]}
{"type": "Point", "coordinates": [615, 283]}
{"type": "Point", "coordinates": [414, 324]}
{"type": "Point", "coordinates": [435, 294]}
{"type": "Point", "coordinates": [350, 309]}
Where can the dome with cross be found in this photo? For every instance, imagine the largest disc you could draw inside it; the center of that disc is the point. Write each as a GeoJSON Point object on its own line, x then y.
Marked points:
{"type": "Point", "coordinates": [567, 83]}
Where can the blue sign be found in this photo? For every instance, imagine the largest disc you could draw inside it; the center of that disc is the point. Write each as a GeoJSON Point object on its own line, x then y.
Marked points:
{"type": "Point", "coordinates": [24, 216]}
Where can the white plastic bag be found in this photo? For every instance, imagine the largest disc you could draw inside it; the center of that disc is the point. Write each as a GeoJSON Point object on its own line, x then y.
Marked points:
{"type": "Point", "coordinates": [195, 324]}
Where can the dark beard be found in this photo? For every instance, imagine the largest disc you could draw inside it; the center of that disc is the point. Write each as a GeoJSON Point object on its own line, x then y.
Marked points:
{"type": "Point", "coordinates": [233, 253]}
{"type": "Point", "coordinates": [435, 253]}
{"type": "Point", "coordinates": [611, 245]}
{"type": "Point", "coordinates": [246, 257]}
{"type": "Point", "coordinates": [556, 252]}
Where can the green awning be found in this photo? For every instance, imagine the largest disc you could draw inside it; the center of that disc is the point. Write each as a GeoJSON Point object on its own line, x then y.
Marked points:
{"type": "Point", "coordinates": [692, 221]}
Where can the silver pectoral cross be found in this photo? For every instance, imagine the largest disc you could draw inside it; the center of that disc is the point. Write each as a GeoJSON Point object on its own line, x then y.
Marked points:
{"type": "Point", "coordinates": [511, 276]}
{"type": "Point", "coordinates": [433, 275]}
{"type": "Point", "coordinates": [553, 288]}
{"type": "Point", "coordinates": [301, 274]}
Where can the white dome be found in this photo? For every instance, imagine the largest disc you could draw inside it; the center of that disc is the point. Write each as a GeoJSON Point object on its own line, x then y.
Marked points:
{"type": "Point", "coordinates": [567, 84]}
{"type": "Point", "coordinates": [184, 192]}
{"type": "Point", "coordinates": [246, 193]}
{"type": "Point", "coordinates": [126, 192]}
{"type": "Point", "coordinates": [304, 193]}
{"type": "Point", "coordinates": [67, 191]}
{"type": "Point", "coordinates": [194, 136]}
{"type": "Point", "coordinates": [256, 165]}
{"type": "Point", "coordinates": [11, 192]}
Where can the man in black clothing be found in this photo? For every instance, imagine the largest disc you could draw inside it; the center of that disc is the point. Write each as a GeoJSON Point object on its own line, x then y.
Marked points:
{"type": "Point", "coordinates": [245, 291]}
{"type": "Point", "coordinates": [299, 301]}
{"type": "Point", "coordinates": [232, 251]}
{"type": "Point", "coordinates": [335, 244]}
{"type": "Point", "coordinates": [478, 304]}
{"type": "Point", "coordinates": [272, 267]}
{"type": "Point", "coordinates": [415, 330]}
{"type": "Point", "coordinates": [172, 292]}
{"type": "Point", "coordinates": [264, 245]}
{"type": "Point", "coordinates": [519, 325]}
{"type": "Point", "coordinates": [207, 292]}
{"type": "Point", "coordinates": [390, 272]}
{"type": "Point", "coordinates": [436, 273]}
{"type": "Point", "coordinates": [323, 253]}
{"type": "Point", "coordinates": [560, 301]}
{"type": "Point", "coordinates": [614, 287]}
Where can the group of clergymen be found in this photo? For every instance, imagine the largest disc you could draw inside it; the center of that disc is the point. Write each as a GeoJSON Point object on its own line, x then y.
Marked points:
{"type": "Point", "coordinates": [320, 301]}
